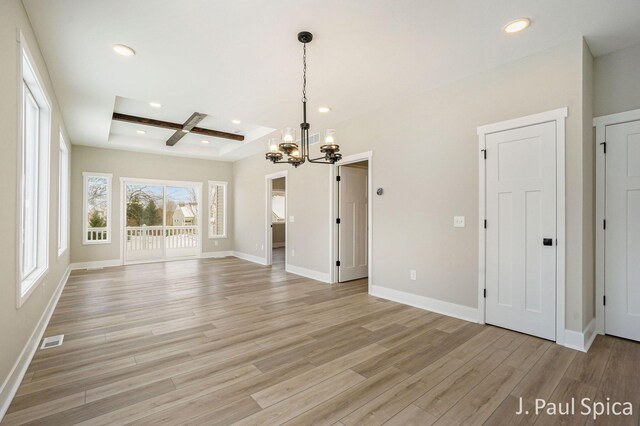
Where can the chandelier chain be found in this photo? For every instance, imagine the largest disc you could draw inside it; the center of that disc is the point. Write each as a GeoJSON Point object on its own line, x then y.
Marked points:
{"type": "Point", "coordinates": [304, 72]}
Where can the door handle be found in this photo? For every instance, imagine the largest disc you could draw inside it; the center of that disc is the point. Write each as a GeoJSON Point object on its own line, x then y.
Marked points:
{"type": "Point", "coordinates": [547, 241]}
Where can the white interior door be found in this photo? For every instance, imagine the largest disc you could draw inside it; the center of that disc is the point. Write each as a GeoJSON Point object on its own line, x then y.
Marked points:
{"type": "Point", "coordinates": [622, 233]}
{"type": "Point", "coordinates": [521, 230]}
{"type": "Point", "coordinates": [352, 229]}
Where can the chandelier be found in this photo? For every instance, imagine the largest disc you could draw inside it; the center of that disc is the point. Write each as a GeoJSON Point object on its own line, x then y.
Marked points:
{"type": "Point", "coordinates": [287, 146]}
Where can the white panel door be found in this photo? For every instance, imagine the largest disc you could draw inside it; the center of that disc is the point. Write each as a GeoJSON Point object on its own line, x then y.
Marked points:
{"type": "Point", "coordinates": [622, 233]}
{"type": "Point", "coordinates": [353, 224]}
{"type": "Point", "coordinates": [521, 230]}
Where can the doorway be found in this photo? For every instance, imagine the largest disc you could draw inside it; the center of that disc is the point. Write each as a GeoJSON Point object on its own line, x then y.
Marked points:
{"type": "Point", "coordinates": [522, 225]}
{"type": "Point", "coordinates": [618, 199]}
{"type": "Point", "coordinates": [276, 219]}
{"type": "Point", "coordinates": [351, 218]}
{"type": "Point", "coordinates": [161, 220]}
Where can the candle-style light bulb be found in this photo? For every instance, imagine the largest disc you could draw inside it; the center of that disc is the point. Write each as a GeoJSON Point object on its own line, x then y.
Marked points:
{"type": "Point", "coordinates": [289, 135]}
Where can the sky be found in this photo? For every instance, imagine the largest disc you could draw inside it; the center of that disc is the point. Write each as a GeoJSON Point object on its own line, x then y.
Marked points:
{"type": "Point", "coordinates": [175, 194]}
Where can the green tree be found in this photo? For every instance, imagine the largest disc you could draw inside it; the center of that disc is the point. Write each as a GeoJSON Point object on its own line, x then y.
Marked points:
{"type": "Point", "coordinates": [135, 212]}
{"type": "Point", "coordinates": [97, 220]}
{"type": "Point", "coordinates": [152, 215]}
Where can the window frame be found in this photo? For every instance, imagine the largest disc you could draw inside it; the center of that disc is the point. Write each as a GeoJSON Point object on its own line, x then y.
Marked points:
{"type": "Point", "coordinates": [279, 193]}
{"type": "Point", "coordinates": [29, 83]}
{"type": "Point", "coordinates": [85, 211]}
{"type": "Point", "coordinates": [225, 185]}
{"type": "Point", "coordinates": [64, 184]}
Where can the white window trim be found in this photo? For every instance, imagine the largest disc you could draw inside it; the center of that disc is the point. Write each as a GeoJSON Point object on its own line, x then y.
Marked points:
{"type": "Point", "coordinates": [224, 212]}
{"type": "Point", "coordinates": [36, 277]}
{"type": "Point", "coordinates": [280, 193]}
{"type": "Point", "coordinates": [63, 143]}
{"type": "Point", "coordinates": [85, 230]}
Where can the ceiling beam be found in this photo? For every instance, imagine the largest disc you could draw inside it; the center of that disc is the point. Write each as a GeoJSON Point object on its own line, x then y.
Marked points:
{"type": "Point", "coordinates": [174, 126]}
{"type": "Point", "coordinates": [188, 125]}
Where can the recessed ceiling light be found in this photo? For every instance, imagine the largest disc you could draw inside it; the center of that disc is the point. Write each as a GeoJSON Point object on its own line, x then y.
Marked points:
{"type": "Point", "coordinates": [324, 109]}
{"type": "Point", "coordinates": [155, 105]}
{"type": "Point", "coordinates": [204, 141]}
{"type": "Point", "coordinates": [141, 132]}
{"type": "Point", "coordinates": [236, 121]}
{"type": "Point", "coordinates": [517, 25]}
{"type": "Point", "coordinates": [123, 50]}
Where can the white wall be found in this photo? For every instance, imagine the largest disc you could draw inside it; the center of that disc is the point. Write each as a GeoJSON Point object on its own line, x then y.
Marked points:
{"type": "Point", "coordinates": [616, 81]}
{"type": "Point", "coordinates": [138, 165]}
{"type": "Point", "coordinates": [17, 325]}
{"type": "Point", "coordinates": [307, 202]}
{"type": "Point", "coordinates": [588, 190]}
{"type": "Point", "coordinates": [426, 159]}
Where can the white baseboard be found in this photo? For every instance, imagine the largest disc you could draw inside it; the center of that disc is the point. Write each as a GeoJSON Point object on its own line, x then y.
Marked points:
{"type": "Point", "coordinates": [12, 382]}
{"type": "Point", "coordinates": [95, 264]}
{"type": "Point", "coordinates": [278, 245]}
{"type": "Point", "coordinates": [434, 305]}
{"type": "Point", "coordinates": [216, 254]}
{"type": "Point", "coordinates": [250, 258]}
{"type": "Point", "coordinates": [581, 341]}
{"type": "Point", "coordinates": [309, 273]}
{"type": "Point", "coordinates": [118, 262]}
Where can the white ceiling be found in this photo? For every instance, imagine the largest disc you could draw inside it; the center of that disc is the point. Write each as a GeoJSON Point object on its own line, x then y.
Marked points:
{"type": "Point", "coordinates": [239, 59]}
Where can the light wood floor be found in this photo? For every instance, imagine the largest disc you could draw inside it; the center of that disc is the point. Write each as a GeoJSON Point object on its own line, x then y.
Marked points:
{"type": "Point", "coordinates": [220, 341]}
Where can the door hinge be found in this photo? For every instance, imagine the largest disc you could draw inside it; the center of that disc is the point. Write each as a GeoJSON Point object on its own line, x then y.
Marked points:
{"type": "Point", "coordinates": [484, 153]}
{"type": "Point", "coordinates": [337, 178]}
{"type": "Point", "coordinates": [338, 263]}
{"type": "Point", "coordinates": [604, 224]}
{"type": "Point", "coordinates": [485, 224]}
{"type": "Point", "coordinates": [604, 300]}
{"type": "Point", "coordinates": [604, 147]}
{"type": "Point", "coordinates": [338, 221]}
{"type": "Point", "coordinates": [485, 293]}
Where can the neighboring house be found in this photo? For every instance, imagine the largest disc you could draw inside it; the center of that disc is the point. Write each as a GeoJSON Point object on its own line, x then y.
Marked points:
{"type": "Point", "coordinates": [184, 216]}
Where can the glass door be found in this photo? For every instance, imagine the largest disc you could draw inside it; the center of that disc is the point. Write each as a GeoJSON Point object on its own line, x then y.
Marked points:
{"type": "Point", "coordinates": [145, 222]}
{"type": "Point", "coordinates": [183, 221]}
{"type": "Point", "coordinates": [162, 221]}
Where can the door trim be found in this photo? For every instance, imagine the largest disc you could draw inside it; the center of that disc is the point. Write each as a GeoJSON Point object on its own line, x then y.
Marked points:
{"type": "Point", "coordinates": [268, 237]}
{"type": "Point", "coordinates": [123, 215]}
{"type": "Point", "coordinates": [333, 214]}
{"type": "Point", "coordinates": [601, 123]}
{"type": "Point", "coordinates": [558, 116]}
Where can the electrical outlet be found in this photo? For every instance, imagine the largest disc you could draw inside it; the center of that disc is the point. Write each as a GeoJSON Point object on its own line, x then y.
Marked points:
{"type": "Point", "coordinates": [458, 221]}
{"type": "Point", "coordinates": [412, 275]}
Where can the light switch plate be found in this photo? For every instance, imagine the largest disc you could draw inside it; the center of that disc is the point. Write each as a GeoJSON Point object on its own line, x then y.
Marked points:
{"type": "Point", "coordinates": [291, 219]}
{"type": "Point", "coordinates": [458, 221]}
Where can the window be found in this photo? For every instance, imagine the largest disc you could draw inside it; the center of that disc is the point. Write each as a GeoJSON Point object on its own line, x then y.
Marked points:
{"type": "Point", "coordinates": [63, 196]}
{"type": "Point", "coordinates": [97, 208]}
{"type": "Point", "coordinates": [33, 218]}
{"type": "Point", "coordinates": [278, 203]}
{"type": "Point", "coordinates": [217, 220]}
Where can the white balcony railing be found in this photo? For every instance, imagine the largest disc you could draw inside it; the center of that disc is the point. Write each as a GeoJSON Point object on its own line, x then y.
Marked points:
{"type": "Point", "coordinates": [97, 234]}
{"type": "Point", "coordinates": [144, 238]}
